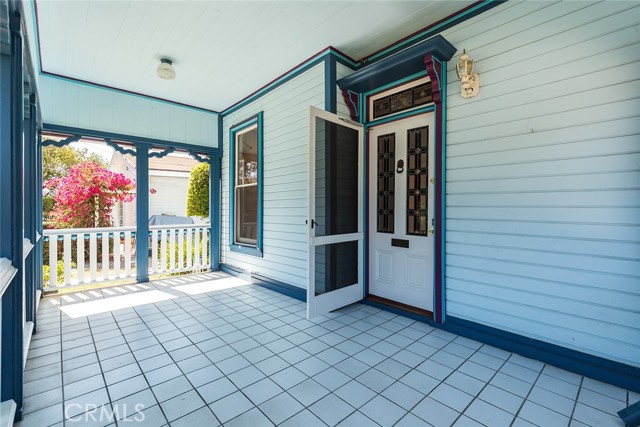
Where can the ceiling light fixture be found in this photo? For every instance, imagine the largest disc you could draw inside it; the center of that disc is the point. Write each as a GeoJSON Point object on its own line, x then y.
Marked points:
{"type": "Point", "coordinates": [165, 69]}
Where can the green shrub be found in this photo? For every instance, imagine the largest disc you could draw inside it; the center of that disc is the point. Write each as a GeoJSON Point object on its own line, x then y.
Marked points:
{"type": "Point", "coordinates": [198, 192]}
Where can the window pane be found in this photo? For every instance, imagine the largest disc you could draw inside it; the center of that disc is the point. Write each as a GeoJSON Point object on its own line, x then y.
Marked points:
{"type": "Point", "coordinates": [336, 183]}
{"type": "Point", "coordinates": [247, 214]}
{"type": "Point", "coordinates": [336, 266]}
{"type": "Point", "coordinates": [247, 157]}
{"type": "Point", "coordinates": [417, 187]}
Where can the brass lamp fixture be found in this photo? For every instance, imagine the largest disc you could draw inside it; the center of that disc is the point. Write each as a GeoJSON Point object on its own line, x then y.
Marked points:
{"type": "Point", "coordinates": [470, 86]}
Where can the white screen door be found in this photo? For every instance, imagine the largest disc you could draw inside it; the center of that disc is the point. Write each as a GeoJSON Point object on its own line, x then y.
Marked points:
{"type": "Point", "coordinates": [335, 213]}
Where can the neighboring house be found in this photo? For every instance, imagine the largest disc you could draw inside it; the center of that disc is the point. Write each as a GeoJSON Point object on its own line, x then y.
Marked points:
{"type": "Point", "coordinates": [168, 184]}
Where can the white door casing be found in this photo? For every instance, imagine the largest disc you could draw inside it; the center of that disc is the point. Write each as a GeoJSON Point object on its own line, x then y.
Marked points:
{"type": "Point", "coordinates": [398, 273]}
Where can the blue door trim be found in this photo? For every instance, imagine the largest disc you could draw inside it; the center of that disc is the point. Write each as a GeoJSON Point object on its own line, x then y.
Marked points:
{"type": "Point", "coordinates": [142, 212]}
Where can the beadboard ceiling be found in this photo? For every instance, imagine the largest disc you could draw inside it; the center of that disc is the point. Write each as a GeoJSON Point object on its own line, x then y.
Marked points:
{"type": "Point", "coordinates": [222, 50]}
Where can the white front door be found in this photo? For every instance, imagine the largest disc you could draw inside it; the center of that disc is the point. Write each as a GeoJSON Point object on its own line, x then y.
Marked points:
{"type": "Point", "coordinates": [335, 213]}
{"type": "Point", "coordinates": [401, 211]}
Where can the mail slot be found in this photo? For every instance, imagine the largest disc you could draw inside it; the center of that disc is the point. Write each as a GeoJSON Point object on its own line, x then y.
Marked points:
{"type": "Point", "coordinates": [400, 243]}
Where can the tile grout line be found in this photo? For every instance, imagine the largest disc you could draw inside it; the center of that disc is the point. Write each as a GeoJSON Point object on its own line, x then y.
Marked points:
{"type": "Point", "coordinates": [526, 399]}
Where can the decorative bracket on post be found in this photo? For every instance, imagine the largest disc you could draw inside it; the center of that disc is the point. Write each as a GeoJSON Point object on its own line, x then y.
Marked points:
{"type": "Point", "coordinates": [351, 99]}
{"type": "Point", "coordinates": [434, 71]}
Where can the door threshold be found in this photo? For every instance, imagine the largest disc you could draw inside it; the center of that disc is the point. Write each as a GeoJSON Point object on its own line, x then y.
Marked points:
{"type": "Point", "coordinates": [415, 311]}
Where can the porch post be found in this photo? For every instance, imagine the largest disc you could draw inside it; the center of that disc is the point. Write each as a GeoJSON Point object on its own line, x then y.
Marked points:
{"type": "Point", "coordinates": [142, 212]}
{"type": "Point", "coordinates": [12, 300]}
{"type": "Point", "coordinates": [29, 209]}
{"type": "Point", "coordinates": [214, 210]}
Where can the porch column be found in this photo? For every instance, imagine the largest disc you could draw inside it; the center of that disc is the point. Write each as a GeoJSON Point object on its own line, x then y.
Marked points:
{"type": "Point", "coordinates": [215, 169]}
{"type": "Point", "coordinates": [30, 208]}
{"type": "Point", "coordinates": [142, 212]}
{"type": "Point", "coordinates": [12, 213]}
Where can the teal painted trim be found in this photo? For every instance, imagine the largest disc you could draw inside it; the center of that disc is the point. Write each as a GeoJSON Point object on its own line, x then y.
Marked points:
{"type": "Point", "coordinates": [142, 213]}
{"type": "Point", "coordinates": [609, 371]}
{"type": "Point", "coordinates": [397, 83]}
{"type": "Point", "coordinates": [77, 133]}
{"type": "Point", "coordinates": [404, 115]}
{"type": "Point", "coordinates": [126, 92]}
{"type": "Point", "coordinates": [258, 121]}
{"type": "Point", "coordinates": [36, 41]}
{"type": "Point", "coordinates": [453, 20]}
{"type": "Point", "coordinates": [215, 204]}
{"type": "Point", "coordinates": [274, 85]}
{"type": "Point", "coordinates": [257, 279]}
{"type": "Point", "coordinates": [342, 59]}
{"type": "Point", "coordinates": [11, 387]}
{"type": "Point", "coordinates": [330, 85]}
{"type": "Point", "coordinates": [443, 193]}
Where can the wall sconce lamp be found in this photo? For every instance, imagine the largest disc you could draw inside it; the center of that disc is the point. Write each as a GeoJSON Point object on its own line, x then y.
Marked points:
{"type": "Point", "coordinates": [470, 86]}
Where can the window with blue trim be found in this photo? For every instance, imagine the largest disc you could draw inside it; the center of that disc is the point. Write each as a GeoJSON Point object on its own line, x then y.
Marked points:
{"type": "Point", "coordinates": [245, 179]}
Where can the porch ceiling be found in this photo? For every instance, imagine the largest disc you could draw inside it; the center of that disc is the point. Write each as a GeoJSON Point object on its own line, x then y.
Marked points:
{"type": "Point", "coordinates": [222, 50]}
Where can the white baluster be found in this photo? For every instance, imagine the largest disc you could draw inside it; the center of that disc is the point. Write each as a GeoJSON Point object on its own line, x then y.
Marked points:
{"type": "Point", "coordinates": [154, 251]}
{"type": "Point", "coordinates": [163, 250]}
{"type": "Point", "coordinates": [189, 233]}
{"type": "Point", "coordinates": [205, 247]}
{"type": "Point", "coordinates": [93, 254]}
{"type": "Point", "coordinates": [181, 249]}
{"type": "Point", "coordinates": [127, 253]}
{"type": "Point", "coordinates": [80, 256]}
{"type": "Point", "coordinates": [172, 250]}
{"type": "Point", "coordinates": [196, 243]}
{"type": "Point", "coordinates": [53, 260]}
{"type": "Point", "coordinates": [116, 253]}
{"type": "Point", "coordinates": [67, 258]}
{"type": "Point", "coordinates": [105, 255]}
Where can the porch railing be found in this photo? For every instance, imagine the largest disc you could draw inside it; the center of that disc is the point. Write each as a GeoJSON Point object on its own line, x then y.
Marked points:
{"type": "Point", "coordinates": [84, 256]}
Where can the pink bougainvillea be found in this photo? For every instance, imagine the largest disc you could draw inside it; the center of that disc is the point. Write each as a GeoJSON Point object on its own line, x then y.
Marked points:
{"type": "Point", "coordinates": [84, 198]}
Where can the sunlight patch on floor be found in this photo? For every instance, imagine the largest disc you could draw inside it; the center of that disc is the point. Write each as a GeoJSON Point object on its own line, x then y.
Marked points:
{"type": "Point", "coordinates": [115, 303]}
{"type": "Point", "coordinates": [211, 285]}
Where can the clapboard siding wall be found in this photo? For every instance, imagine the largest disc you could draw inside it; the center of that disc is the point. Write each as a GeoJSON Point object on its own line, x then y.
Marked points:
{"type": "Point", "coordinates": [543, 175]}
{"type": "Point", "coordinates": [66, 103]}
{"type": "Point", "coordinates": [285, 154]}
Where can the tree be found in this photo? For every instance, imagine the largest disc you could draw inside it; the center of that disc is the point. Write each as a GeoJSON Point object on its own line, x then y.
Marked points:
{"type": "Point", "coordinates": [84, 197]}
{"type": "Point", "coordinates": [198, 193]}
{"type": "Point", "coordinates": [57, 162]}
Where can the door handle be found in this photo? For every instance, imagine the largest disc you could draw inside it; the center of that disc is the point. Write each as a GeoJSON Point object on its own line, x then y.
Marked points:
{"type": "Point", "coordinates": [313, 223]}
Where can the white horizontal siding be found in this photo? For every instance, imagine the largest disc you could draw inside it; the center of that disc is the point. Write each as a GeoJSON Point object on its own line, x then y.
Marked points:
{"type": "Point", "coordinates": [170, 197]}
{"type": "Point", "coordinates": [543, 175]}
{"type": "Point", "coordinates": [66, 103]}
{"type": "Point", "coordinates": [285, 150]}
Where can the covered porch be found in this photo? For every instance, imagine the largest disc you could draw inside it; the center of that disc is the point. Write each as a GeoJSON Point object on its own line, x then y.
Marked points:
{"type": "Point", "coordinates": [213, 349]}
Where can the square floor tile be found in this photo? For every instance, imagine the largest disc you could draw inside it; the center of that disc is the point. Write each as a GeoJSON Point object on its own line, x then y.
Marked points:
{"type": "Point", "coordinates": [217, 389]}
{"type": "Point", "coordinates": [308, 392]}
{"type": "Point", "coordinates": [331, 378]}
{"type": "Point", "coordinates": [204, 375]}
{"type": "Point", "coordinates": [246, 376]}
{"type": "Point", "coordinates": [375, 380]}
{"type": "Point", "coordinates": [172, 388]}
{"type": "Point", "coordinates": [451, 396]}
{"type": "Point", "coordinates": [331, 409]}
{"type": "Point", "coordinates": [280, 408]}
{"type": "Point", "coordinates": [305, 418]}
{"type": "Point", "coordinates": [435, 412]}
{"type": "Point", "coordinates": [288, 377]}
{"type": "Point", "coordinates": [262, 391]}
{"type": "Point", "coordinates": [232, 364]}
{"type": "Point", "coordinates": [383, 411]}
{"type": "Point", "coordinates": [252, 417]}
{"type": "Point", "coordinates": [231, 406]}
{"type": "Point", "coordinates": [201, 417]}
{"type": "Point", "coordinates": [403, 395]}
{"type": "Point", "coordinates": [355, 394]}
{"type": "Point", "coordinates": [502, 399]}
{"type": "Point", "coordinates": [488, 414]}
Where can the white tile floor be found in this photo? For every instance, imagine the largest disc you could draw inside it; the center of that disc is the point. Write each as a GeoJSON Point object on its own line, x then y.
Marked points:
{"type": "Point", "coordinates": [209, 350]}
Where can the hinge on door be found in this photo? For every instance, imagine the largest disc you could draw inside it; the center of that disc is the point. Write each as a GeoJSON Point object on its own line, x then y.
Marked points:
{"type": "Point", "coordinates": [351, 122]}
